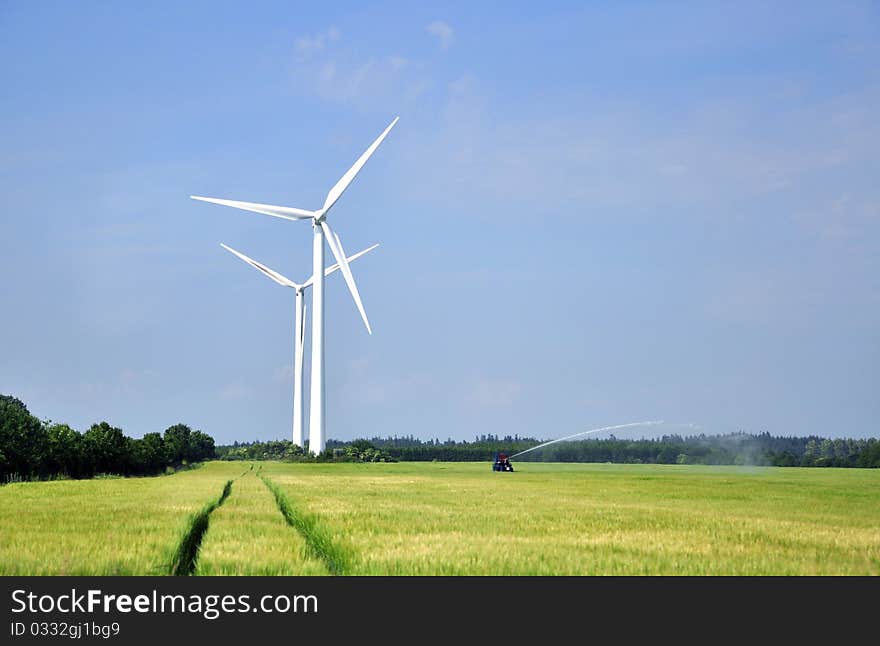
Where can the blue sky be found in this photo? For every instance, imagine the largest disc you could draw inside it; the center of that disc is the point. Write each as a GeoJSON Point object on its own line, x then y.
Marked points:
{"type": "Point", "coordinates": [590, 214]}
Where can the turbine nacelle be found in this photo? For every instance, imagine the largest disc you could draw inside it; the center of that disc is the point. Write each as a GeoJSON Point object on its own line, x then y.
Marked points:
{"type": "Point", "coordinates": [318, 218]}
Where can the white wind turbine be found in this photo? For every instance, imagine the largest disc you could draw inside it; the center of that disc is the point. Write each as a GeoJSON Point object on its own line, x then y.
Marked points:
{"type": "Point", "coordinates": [299, 330]}
{"type": "Point", "coordinates": [317, 439]}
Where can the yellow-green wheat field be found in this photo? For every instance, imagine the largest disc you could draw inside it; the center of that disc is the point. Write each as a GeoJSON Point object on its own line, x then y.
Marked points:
{"type": "Point", "coordinates": [452, 518]}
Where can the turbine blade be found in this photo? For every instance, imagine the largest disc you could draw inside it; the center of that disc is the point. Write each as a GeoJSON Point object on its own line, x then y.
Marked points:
{"type": "Point", "coordinates": [337, 191]}
{"type": "Point", "coordinates": [353, 256]}
{"type": "Point", "coordinates": [299, 363]}
{"type": "Point", "coordinates": [284, 212]}
{"type": "Point", "coordinates": [274, 275]}
{"type": "Point", "coordinates": [332, 268]}
{"type": "Point", "coordinates": [302, 331]}
{"type": "Point", "coordinates": [336, 247]}
{"type": "Point", "coordinates": [302, 336]}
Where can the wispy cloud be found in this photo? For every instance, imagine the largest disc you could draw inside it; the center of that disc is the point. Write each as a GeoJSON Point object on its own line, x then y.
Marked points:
{"type": "Point", "coordinates": [324, 66]}
{"type": "Point", "coordinates": [234, 392]}
{"type": "Point", "coordinates": [311, 45]}
{"type": "Point", "coordinates": [847, 217]}
{"type": "Point", "coordinates": [710, 156]}
{"type": "Point", "coordinates": [127, 382]}
{"type": "Point", "coordinates": [284, 374]}
{"type": "Point", "coordinates": [495, 393]}
{"type": "Point", "coordinates": [442, 31]}
{"type": "Point", "coordinates": [376, 390]}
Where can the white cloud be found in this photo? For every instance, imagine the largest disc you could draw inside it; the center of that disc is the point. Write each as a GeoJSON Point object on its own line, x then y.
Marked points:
{"type": "Point", "coordinates": [325, 67]}
{"type": "Point", "coordinates": [602, 155]}
{"type": "Point", "coordinates": [495, 393]}
{"type": "Point", "coordinates": [235, 391]}
{"type": "Point", "coordinates": [284, 374]}
{"type": "Point", "coordinates": [442, 31]}
{"type": "Point", "coordinates": [623, 156]}
{"type": "Point", "coordinates": [128, 382]}
{"type": "Point", "coordinates": [360, 387]}
{"type": "Point", "coordinates": [311, 45]}
{"type": "Point", "coordinates": [849, 218]}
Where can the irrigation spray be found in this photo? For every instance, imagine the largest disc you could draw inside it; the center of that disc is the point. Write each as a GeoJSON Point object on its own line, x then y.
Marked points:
{"type": "Point", "coordinates": [595, 430]}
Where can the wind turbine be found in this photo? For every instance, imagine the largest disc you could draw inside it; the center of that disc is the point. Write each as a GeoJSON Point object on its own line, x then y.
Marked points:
{"type": "Point", "coordinates": [299, 329]}
{"type": "Point", "coordinates": [317, 439]}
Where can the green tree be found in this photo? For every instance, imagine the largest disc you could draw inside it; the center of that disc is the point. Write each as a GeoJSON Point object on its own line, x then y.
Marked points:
{"type": "Point", "coordinates": [201, 447]}
{"type": "Point", "coordinates": [870, 454]}
{"type": "Point", "coordinates": [65, 450]}
{"type": "Point", "coordinates": [23, 440]}
{"type": "Point", "coordinates": [826, 454]}
{"type": "Point", "coordinates": [106, 448]}
{"type": "Point", "coordinates": [151, 454]}
{"type": "Point", "coordinates": [811, 453]}
{"type": "Point", "coordinates": [177, 439]}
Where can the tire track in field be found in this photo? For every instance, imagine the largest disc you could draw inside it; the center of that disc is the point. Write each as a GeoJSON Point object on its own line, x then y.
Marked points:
{"type": "Point", "coordinates": [318, 541]}
{"type": "Point", "coordinates": [186, 555]}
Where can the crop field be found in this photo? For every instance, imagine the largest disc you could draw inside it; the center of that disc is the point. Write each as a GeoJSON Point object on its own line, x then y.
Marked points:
{"type": "Point", "coordinates": [248, 535]}
{"type": "Point", "coordinates": [439, 518]}
{"type": "Point", "coordinates": [101, 526]}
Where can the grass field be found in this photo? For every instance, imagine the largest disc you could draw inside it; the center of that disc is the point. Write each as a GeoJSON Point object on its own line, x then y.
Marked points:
{"type": "Point", "coordinates": [453, 518]}
{"type": "Point", "coordinates": [101, 526]}
{"type": "Point", "coordinates": [248, 535]}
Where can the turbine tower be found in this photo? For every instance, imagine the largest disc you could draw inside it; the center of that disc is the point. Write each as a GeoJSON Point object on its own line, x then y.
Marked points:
{"type": "Point", "coordinates": [299, 330]}
{"type": "Point", "coordinates": [317, 437]}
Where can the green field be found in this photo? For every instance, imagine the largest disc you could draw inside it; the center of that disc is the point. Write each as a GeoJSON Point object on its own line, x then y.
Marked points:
{"type": "Point", "coordinates": [452, 518]}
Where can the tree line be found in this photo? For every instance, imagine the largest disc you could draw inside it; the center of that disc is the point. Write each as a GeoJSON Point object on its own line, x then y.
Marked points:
{"type": "Point", "coordinates": [730, 449]}
{"type": "Point", "coordinates": [35, 449]}
{"type": "Point", "coordinates": [354, 451]}
{"type": "Point", "coordinates": [30, 448]}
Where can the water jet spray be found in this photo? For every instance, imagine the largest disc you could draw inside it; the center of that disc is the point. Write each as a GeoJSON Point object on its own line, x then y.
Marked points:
{"type": "Point", "coordinates": [595, 430]}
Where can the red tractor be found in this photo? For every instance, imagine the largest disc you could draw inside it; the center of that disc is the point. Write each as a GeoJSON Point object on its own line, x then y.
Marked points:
{"type": "Point", "coordinates": [502, 463]}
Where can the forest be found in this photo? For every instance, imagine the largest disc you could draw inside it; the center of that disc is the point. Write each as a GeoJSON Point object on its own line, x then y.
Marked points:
{"type": "Point", "coordinates": [33, 449]}
{"type": "Point", "coordinates": [733, 448]}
